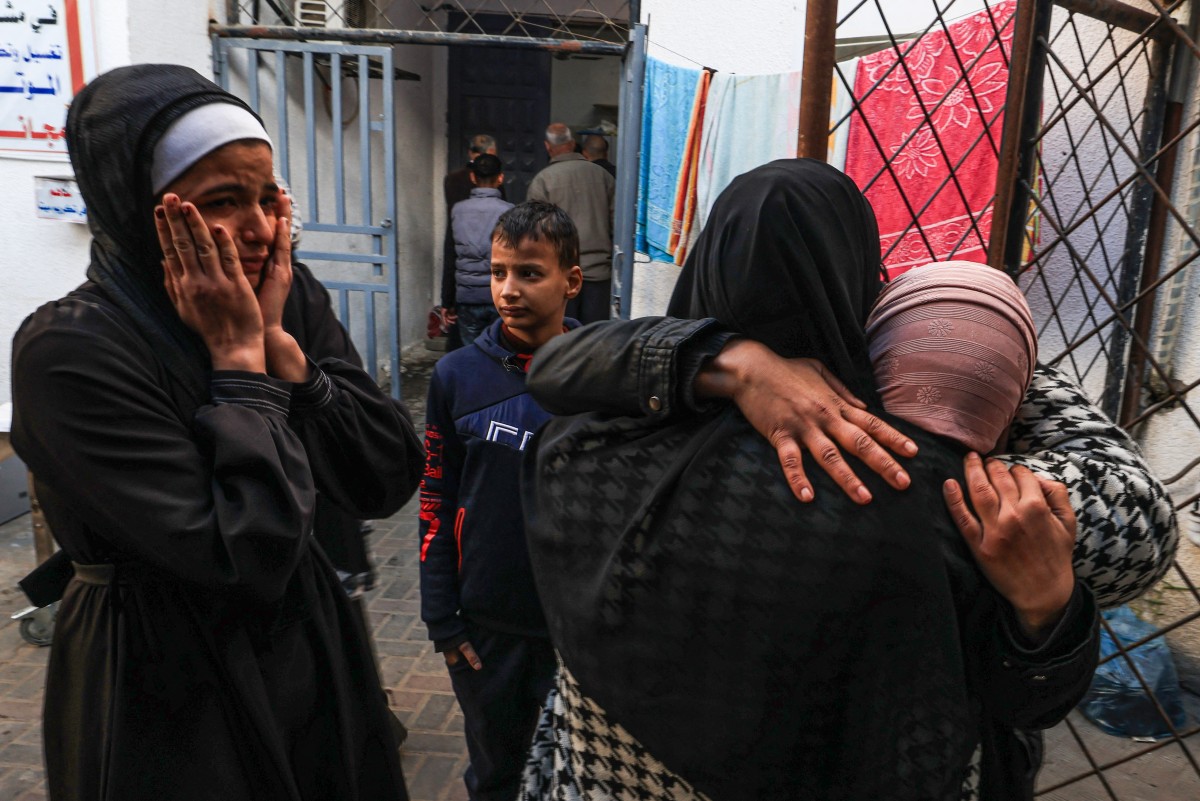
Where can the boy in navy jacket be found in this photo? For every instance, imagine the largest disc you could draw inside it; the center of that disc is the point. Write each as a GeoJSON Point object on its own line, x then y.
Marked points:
{"type": "Point", "coordinates": [478, 598]}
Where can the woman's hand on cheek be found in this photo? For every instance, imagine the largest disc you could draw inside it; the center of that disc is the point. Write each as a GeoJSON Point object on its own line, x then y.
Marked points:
{"type": "Point", "coordinates": [203, 278]}
{"type": "Point", "coordinates": [1022, 535]}
{"type": "Point", "coordinates": [276, 281]}
{"type": "Point", "coordinates": [284, 358]}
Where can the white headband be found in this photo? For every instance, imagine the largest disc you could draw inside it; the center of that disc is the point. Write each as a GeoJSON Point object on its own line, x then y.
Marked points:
{"type": "Point", "coordinates": [198, 133]}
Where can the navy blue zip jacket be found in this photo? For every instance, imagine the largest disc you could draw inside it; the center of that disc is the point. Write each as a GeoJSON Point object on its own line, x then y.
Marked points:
{"type": "Point", "coordinates": [474, 560]}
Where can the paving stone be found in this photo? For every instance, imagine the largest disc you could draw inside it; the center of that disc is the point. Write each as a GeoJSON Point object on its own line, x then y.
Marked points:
{"type": "Point", "coordinates": [405, 700]}
{"type": "Point", "coordinates": [21, 755]}
{"type": "Point", "coordinates": [429, 683]}
{"type": "Point", "coordinates": [392, 669]}
{"type": "Point", "coordinates": [435, 714]}
{"type": "Point", "coordinates": [432, 777]}
{"type": "Point", "coordinates": [401, 648]}
{"type": "Point", "coordinates": [11, 731]}
{"type": "Point", "coordinates": [17, 781]}
{"type": "Point", "coordinates": [427, 742]}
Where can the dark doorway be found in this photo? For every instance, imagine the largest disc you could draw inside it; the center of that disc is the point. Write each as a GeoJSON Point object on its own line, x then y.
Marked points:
{"type": "Point", "coordinates": [505, 93]}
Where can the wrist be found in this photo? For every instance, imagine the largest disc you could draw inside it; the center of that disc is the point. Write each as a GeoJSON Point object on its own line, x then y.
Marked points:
{"type": "Point", "coordinates": [730, 371]}
{"type": "Point", "coordinates": [247, 358]}
{"type": "Point", "coordinates": [284, 359]}
{"type": "Point", "coordinates": [1037, 622]}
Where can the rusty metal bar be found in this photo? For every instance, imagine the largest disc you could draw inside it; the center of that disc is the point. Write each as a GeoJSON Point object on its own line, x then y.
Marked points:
{"type": "Point", "coordinates": [437, 38]}
{"type": "Point", "coordinates": [1018, 161]}
{"type": "Point", "coordinates": [1135, 369]}
{"type": "Point", "coordinates": [1137, 232]}
{"type": "Point", "coordinates": [1183, 72]}
{"type": "Point", "coordinates": [816, 79]}
{"type": "Point", "coordinates": [1120, 15]}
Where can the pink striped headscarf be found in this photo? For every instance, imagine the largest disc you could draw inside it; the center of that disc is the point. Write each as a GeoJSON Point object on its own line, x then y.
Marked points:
{"type": "Point", "coordinates": [953, 346]}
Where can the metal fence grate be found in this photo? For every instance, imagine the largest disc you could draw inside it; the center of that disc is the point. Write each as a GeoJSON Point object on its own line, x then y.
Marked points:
{"type": "Point", "coordinates": [897, 105]}
{"type": "Point", "coordinates": [1092, 198]}
{"type": "Point", "coordinates": [596, 20]}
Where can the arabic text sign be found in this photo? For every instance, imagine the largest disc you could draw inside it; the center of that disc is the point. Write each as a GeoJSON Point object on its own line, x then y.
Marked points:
{"type": "Point", "coordinates": [43, 53]}
{"type": "Point", "coordinates": [59, 199]}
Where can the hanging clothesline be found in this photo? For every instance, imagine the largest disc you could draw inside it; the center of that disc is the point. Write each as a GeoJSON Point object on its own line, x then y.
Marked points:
{"type": "Point", "coordinates": [911, 133]}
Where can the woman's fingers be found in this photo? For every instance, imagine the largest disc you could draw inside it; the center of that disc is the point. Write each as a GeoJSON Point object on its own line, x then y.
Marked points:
{"type": "Point", "coordinates": [791, 458]}
{"type": "Point", "coordinates": [182, 244]}
{"type": "Point", "coordinates": [169, 280]}
{"type": "Point", "coordinates": [1059, 501]}
{"type": "Point", "coordinates": [866, 436]}
{"type": "Point", "coordinates": [1003, 482]}
{"type": "Point", "coordinates": [231, 264]}
{"type": "Point", "coordinates": [829, 457]}
{"type": "Point", "coordinates": [960, 513]}
{"type": "Point", "coordinates": [210, 259]}
{"type": "Point", "coordinates": [979, 486]}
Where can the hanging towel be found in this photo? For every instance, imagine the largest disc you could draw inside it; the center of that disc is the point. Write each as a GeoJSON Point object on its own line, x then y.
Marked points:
{"type": "Point", "coordinates": [683, 217]}
{"type": "Point", "coordinates": [669, 96]}
{"type": "Point", "coordinates": [953, 219]}
{"type": "Point", "coordinates": [749, 120]}
{"type": "Point", "coordinates": [841, 107]}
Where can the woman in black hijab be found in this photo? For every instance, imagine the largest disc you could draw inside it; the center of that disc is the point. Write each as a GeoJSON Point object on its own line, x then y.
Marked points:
{"type": "Point", "coordinates": [721, 639]}
{"type": "Point", "coordinates": [180, 410]}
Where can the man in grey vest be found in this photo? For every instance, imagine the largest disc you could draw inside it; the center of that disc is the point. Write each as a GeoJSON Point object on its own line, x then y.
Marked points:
{"type": "Point", "coordinates": [583, 190]}
{"type": "Point", "coordinates": [471, 224]}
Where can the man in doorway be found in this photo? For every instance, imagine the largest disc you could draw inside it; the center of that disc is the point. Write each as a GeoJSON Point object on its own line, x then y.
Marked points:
{"type": "Point", "coordinates": [456, 187]}
{"type": "Point", "coordinates": [584, 190]}
{"type": "Point", "coordinates": [595, 150]}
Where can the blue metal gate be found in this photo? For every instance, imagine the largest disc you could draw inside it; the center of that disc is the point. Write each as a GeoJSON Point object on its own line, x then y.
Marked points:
{"type": "Point", "coordinates": [330, 109]}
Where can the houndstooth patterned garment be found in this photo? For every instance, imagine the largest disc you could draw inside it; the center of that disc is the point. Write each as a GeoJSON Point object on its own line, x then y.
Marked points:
{"type": "Point", "coordinates": [1126, 522]}
{"type": "Point", "coordinates": [578, 754]}
{"type": "Point", "coordinates": [1126, 541]}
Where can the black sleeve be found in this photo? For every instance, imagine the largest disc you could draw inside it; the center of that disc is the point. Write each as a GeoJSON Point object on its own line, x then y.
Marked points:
{"type": "Point", "coordinates": [224, 500]}
{"type": "Point", "coordinates": [1035, 687]}
{"type": "Point", "coordinates": [365, 454]}
{"type": "Point", "coordinates": [645, 367]}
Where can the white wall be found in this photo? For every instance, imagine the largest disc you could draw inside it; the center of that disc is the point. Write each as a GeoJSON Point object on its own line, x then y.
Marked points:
{"type": "Point", "coordinates": [42, 259]}
{"type": "Point", "coordinates": [584, 91]}
{"type": "Point", "coordinates": [752, 36]}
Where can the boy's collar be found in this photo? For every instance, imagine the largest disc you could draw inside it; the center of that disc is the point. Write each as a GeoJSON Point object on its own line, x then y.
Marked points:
{"type": "Point", "coordinates": [522, 352]}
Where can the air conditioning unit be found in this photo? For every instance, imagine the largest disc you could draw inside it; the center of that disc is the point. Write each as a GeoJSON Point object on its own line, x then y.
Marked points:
{"type": "Point", "coordinates": [331, 13]}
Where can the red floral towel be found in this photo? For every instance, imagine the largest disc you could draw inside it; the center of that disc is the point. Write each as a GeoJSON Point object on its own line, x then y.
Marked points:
{"type": "Point", "coordinates": [951, 219]}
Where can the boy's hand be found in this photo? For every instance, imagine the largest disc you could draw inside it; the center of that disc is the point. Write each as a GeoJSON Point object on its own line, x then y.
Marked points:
{"type": "Point", "coordinates": [1023, 539]}
{"type": "Point", "coordinates": [464, 651]}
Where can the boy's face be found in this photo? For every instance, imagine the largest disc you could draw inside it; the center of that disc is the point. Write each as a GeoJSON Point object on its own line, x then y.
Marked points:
{"type": "Point", "coordinates": [531, 290]}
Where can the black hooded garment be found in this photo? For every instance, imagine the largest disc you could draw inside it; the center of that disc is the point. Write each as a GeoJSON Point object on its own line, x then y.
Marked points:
{"type": "Point", "coordinates": [759, 647]}
{"type": "Point", "coordinates": [205, 648]}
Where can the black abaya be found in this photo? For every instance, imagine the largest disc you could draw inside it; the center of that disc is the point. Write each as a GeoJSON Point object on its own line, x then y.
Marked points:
{"type": "Point", "coordinates": [205, 648]}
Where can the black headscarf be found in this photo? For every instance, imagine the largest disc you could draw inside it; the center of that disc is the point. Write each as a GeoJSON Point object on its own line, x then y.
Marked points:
{"type": "Point", "coordinates": [112, 128]}
{"type": "Point", "coordinates": [789, 257]}
{"type": "Point", "coordinates": [757, 646]}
